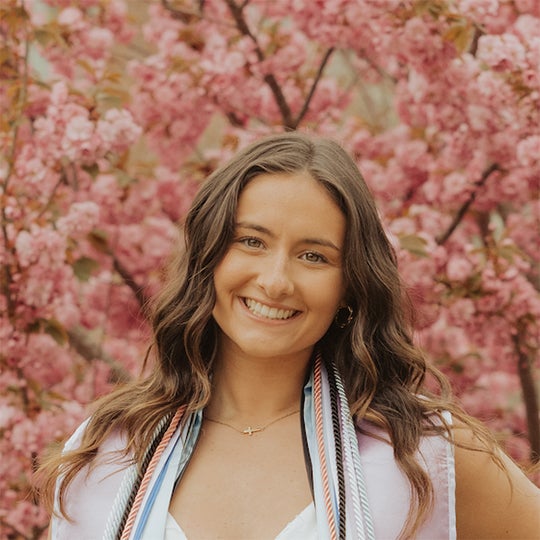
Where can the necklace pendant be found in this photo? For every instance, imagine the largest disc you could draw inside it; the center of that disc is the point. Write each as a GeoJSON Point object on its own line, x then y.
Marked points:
{"type": "Point", "coordinates": [250, 431]}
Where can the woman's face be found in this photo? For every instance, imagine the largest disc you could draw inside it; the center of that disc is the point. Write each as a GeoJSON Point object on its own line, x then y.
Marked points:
{"type": "Point", "coordinates": [280, 282]}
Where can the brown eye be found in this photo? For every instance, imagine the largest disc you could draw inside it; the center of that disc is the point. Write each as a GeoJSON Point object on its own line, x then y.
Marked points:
{"type": "Point", "coordinates": [251, 242]}
{"type": "Point", "coordinates": [313, 257]}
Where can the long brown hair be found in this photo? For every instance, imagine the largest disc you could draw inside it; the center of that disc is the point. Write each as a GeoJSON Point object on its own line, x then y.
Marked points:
{"type": "Point", "coordinates": [383, 372]}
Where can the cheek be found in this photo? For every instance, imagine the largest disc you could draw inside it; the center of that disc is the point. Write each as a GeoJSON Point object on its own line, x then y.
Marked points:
{"type": "Point", "coordinates": [223, 274]}
{"type": "Point", "coordinates": [331, 295]}
{"type": "Point", "coordinates": [326, 308]}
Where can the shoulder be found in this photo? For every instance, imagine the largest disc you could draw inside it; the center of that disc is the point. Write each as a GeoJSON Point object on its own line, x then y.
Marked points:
{"type": "Point", "coordinates": [389, 489]}
{"type": "Point", "coordinates": [494, 498]}
{"type": "Point", "coordinates": [94, 486]}
{"type": "Point", "coordinates": [74, 441]}
{"type": "Point", "coordinates": [115, 441]}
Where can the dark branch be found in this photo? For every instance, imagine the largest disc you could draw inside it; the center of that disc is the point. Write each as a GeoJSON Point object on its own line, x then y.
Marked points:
{"type": "Point", "coordinates": [477, 34]}
{"type": "Point", "coordinates": [129, 280]}
{"type": "Point", "coordinates": [311, 93]}
{"type": "Point", "coordinates": [81, 342]}
{"type": "Point", "coordinates": [235, 120]}
{"type": "Point", "coordinates": [269, 79]}
{"type": "Point", "coordinates": [441, 239]}
{"type": "Point", "coordinates": [6, 267]}
{"type": "Point", "coordinates": [530, 398]}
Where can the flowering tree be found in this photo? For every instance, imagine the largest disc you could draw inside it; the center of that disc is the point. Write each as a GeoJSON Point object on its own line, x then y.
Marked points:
{"type": "Point", "coordinates": [110, 119]}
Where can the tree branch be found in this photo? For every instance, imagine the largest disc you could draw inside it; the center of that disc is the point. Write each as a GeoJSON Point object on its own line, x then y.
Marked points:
{"type": "Point", "coordinates": [81, 342]}
{"type": "Point", "coordinates": [442, 238]}
{"type": "Point", "coordinates": [47, 205]}
{"type": "Point", "coordinates": [269, 79]}
{"type": "Point", "coordinates": [11, 157]}
{"type": "Point", "coordinates": [129, 280]}
{"type": "Point", "coordinates": [311, 93]}
{"type": "Point", "coordinates": [530, 398]}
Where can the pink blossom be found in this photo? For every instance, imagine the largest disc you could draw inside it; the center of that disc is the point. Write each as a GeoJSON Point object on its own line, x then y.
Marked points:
{"type": "Point", "coordinates": [528, 153]}
{"type": "Point", "coordinates": [72, 17]}
{"type": "Point", "coordinates": [458, 268]}
{"type": "Point", "coordinates": [528, 6]}
{"type": "Point", "coordinates": [501, 52]}
{"type": "Point", "coordinates": [456, 187]}
{"type": "Point", "coordinates": [78, 129]}
{"type": "Point", "coordinates": [526, 28]}
{"type": "Point", "coordinates": [98, 39]}
{"type": "Point", "coordinates": [117, 129]}
{"type": "Point", "coordinates": [479, 8]}
{"type": "Point", "coordinates": [38, 244]}
{"type": "Point", "coordinates": [81, 219]}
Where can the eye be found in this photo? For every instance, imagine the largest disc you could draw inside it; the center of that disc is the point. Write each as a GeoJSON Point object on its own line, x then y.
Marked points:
{"type": "Point", "coordinates": [314, 257]}
{"type": "Point", "coordinates": [251, 242]}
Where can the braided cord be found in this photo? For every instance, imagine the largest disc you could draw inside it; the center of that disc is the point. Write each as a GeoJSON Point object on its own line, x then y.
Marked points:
{"type": "Point", "coordinates": [317, 395]}
{"type": "Point", "coordinates": [149, 472]}
{"type": "Point", "coordinates": [130, 484]}
{"type": "Point", "coordinates": [356, 507]}
{"type": "Point", "coordinates": [339, 456]}
{"type": "Point", "coordinates": [121, 502]}
{"type": "Point", "coordinates": [160, 431]}
{"type": "Point", "coordinates": [362, 513]}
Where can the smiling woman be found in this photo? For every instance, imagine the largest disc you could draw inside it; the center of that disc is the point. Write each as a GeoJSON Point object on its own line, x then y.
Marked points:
{"type": "Point", "coordinates": [288, 399]}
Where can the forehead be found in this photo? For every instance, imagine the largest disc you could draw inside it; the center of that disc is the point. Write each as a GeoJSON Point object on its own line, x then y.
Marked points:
{"type": "Point", "coordinates": [291, 201]}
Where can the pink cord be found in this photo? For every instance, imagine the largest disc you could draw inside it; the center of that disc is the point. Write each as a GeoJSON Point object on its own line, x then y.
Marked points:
{"type": "Point", "coordinates": [317, 394]}
{"type": "Point", "coordinates": [150, 471]}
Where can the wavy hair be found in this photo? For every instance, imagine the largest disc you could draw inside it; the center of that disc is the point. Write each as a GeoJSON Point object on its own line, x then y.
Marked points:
{"type": "Point", "coordinates": [383, 371]}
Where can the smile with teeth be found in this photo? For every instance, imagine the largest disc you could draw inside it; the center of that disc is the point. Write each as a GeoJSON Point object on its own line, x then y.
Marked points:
{"type": "Point", "coordinates": [268, 312]}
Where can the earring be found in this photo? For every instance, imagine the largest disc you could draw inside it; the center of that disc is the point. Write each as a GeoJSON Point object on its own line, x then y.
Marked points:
{"type": "Point", "coordinates": [344, 316]}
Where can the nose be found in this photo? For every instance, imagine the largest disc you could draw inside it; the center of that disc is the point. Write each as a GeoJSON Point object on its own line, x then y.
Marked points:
{"type": "Point", "coordinates": [274, 277]}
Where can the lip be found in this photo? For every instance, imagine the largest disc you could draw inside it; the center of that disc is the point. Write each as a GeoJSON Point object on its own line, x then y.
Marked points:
{"type": "Point", "coordinates": [255, 316]}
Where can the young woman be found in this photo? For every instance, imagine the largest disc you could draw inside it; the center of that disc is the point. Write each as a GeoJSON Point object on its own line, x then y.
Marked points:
{"type": "Point", "coordinates": [287, 399]}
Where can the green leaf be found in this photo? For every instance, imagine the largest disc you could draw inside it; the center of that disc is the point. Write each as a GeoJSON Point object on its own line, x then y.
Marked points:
{"type": "Point", "coordinates": [99, 240]}
{"type": "Point", "coordinates": [92, 170]}
{"type": "Point", "coordinates": [413, 244]}
{"type": "Point", "coordinates": [461, 35]}
{"type": "Point", "coordinates": [84, 267]}
{"type": "Point", "coordinates": [55, 329]}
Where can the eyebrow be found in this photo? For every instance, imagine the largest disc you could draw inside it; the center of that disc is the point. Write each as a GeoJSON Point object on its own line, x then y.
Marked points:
{"type": "Point", "coordinates": [268, 232]}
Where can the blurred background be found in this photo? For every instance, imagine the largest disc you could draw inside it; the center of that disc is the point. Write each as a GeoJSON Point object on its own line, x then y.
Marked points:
{"type": "Point", "coordinates": [113, 113]}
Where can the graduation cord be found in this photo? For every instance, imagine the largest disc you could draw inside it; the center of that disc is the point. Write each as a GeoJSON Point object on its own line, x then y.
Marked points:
{"type": "Point", "coordinates": [317, 398]}
{"type": "Point", "coordinates": [130, 484]}
{"type": "Point", "coordinates": [339, 456]}
{"type": "Point", "coordinates": [362, 514]}
{"type": "Point", "coordinates": [140, 492]}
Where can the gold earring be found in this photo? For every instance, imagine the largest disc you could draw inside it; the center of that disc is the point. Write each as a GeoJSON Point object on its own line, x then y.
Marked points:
{"type": "Point", "coordinates": [340, 319]}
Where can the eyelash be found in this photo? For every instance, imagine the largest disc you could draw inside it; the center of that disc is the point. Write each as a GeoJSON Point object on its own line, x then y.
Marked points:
{"type": "Point", "coordinates": [249, 240]}
{"type": "Point", "coordinates": [320, 258]}
{"type": "Point", "coordinates": [308, 256]}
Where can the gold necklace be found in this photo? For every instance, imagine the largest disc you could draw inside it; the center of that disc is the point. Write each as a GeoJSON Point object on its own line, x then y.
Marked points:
{"type": "Point", "coordinates": [251, 430]}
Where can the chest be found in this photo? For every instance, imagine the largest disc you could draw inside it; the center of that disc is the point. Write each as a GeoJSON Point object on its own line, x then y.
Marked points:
{"type": "Point", "coordinates": [238, 486]}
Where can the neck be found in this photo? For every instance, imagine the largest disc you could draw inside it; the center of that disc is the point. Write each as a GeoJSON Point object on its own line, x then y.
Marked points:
{"type": "Point", "coordinates": [256, 390]}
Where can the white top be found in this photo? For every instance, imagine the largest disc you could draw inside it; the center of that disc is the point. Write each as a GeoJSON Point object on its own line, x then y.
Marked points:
{"type": "Point", "coordinates": [388, 491]}
{"type": "Point", "coordinates": [303, 526]}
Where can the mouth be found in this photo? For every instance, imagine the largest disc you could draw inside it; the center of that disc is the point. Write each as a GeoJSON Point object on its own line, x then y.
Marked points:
{"type": "Point", "coordinates": [272, 313]}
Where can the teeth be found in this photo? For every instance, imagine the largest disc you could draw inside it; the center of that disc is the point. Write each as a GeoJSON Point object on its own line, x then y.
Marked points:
{"type": "Point", "coordinates": [266, 311]}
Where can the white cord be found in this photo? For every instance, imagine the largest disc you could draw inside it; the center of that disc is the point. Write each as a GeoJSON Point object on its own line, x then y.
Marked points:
{"type": "Point", "coordinates": [361, 507]}
{"type": "Point", "coordinates": [126, 487]}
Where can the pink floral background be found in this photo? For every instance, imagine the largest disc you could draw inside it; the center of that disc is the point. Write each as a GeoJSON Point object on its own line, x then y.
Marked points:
{"type": "Point", "coordinates": [113, 112]}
